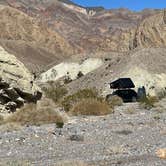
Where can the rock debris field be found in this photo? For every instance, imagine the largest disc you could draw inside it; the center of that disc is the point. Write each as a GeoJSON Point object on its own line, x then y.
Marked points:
{"type": "Point", "coordinates": [129, 137]}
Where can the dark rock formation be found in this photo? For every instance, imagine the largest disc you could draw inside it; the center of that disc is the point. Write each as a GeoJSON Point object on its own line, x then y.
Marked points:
{"type": "Point", "coordinates": [13, 98]}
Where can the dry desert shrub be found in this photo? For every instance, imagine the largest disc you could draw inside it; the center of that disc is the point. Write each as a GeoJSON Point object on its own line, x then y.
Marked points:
{"type": "Point", "coordinates": [91, 106]}
{"type": "Point", "coordinates": [9, 127]}
{"type": "Point", "coordinates": [71, 163]}
{"type": "Point", "coordinates": [148, 102]}
{"type": "Point", "coordinates": [115, 101]}
{"type": "Point", "coordinates": [130, 110]}
{"type": "Point", "coordinates": [1, 119]}
{"type": "Point", "coordinates": [69, 101]}
{"type": "Point", "coordinates": [32, 114]}
{"type": "Point", "coordinates": [55, 92]}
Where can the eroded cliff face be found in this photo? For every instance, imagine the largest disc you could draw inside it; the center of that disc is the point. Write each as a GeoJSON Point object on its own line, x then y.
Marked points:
{"type": "Point", "coordinates": [15, 25]}
{"type": "Point", "coordinates": [151, 32]}
{"type": "Point", "coordinates": [87, 30]}
{"type": "Point", "coordinates": [70, 29]}
{"type": "Point", "coordinates": [15, 73]}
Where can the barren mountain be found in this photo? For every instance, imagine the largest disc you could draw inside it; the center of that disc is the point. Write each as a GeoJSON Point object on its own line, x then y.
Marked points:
{"type": "Point", "coordinates": [30, 40]}
{"type": "Point", "coordinates": [36, 31]}
{"type": "Point", "coordinates": [88, 29]}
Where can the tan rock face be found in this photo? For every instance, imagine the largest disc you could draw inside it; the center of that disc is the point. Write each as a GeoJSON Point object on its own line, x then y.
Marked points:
{"type": "Point", "coordinates": [15, 25]}
{"type": "Point", "coordinates": [152, 32]}
{"type": "Point", "coordinates": [15, 73]}
{"type": "Point", "coordinates": [31, 35]}
{"type": "Point", "coordinates": [103, 30]}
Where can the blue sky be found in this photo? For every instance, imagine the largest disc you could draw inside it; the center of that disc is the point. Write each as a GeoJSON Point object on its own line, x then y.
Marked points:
{"type": "Point", "coordinates": [131, 4]}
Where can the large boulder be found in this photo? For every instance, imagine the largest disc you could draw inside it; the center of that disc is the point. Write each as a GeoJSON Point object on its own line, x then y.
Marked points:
{"type": "Point", "coordinates": [13, 72]}
{"type": "Point", "coordinates": [16, 83]}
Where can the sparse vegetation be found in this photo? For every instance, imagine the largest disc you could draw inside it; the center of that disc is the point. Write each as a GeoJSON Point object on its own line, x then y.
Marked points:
{"type": "Point", "coordinates": [115, 101]}
{"type": "Point", "coordinates": [55, 91]}
{"type": "Point", "coordinates": [88, 102]}
{"type": "Point", "coordinates": [148, 102]}
{"type": "Point", "coordinates": [1, 119]}
{"type": "Point", "coordinates": [130, 111]}
{"type": "Point", "coordinates": [91, 107]}
{"type": "Point", "coordinates": [9, 127]}
{"type": "Point", "coordinates": [71, 163]}
{"type": "Point", "coordinates": [33, 115]}
{"type": "Point", "coordinates": [16, 163]}
{"type": "Point", "coordinates": [70, 100]}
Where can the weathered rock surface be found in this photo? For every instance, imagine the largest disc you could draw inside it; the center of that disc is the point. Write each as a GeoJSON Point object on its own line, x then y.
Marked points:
{"type": "Point", "coordinates": [15, 73]}
{"type": "Point", "coordinates": [17, 83]}
{"type": "Point", "coordinates": [151, 31]}
{"type": "Point", "coordinates": [86, 29]}
{"type": "Point", "coordinates": [31, 41]}
{"type": "Point", "coordinates": [70, 69]}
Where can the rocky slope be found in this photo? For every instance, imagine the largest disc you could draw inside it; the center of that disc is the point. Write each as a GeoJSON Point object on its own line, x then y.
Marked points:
{"type": "Point", "coordinates": [146, 67]}
{"type": "Point", "coordinates": [88, 29]}
{"type": "Point", "coordinates": [71, 69]}
{"type": "Point", "coordinates": [151, 32]}
{"type": "Point", "coordinates": [25, 36]}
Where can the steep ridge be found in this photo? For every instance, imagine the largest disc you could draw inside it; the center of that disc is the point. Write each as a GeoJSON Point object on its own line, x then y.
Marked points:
{"type": "Point", "coordinates": [87, 29]}
{"type": "Point", "coordinates": [19, 31]}
{"type": "Point", "coordinates": [151, 31]}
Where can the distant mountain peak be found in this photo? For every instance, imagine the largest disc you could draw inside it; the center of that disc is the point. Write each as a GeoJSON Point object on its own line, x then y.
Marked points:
{"type": "Point", "coordinates": [94, 8]}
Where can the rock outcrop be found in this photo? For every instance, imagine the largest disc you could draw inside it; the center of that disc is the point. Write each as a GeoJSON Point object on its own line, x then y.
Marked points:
{"type": "Point", "coordinates": [13, 98]}
{"type": "Point", "coordinates": [70, 69]}
{"type": "Point", "coordinates": [151, 32]}
{"type": "Point", "coordinates": [15, 73]}
{"type": "Point", "coordinates": [17, 83]}
{"type": "Point", "coordinates": [86, 29]}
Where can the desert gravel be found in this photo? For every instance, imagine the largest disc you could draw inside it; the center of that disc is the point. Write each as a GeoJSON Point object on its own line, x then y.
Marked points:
{"type": "Point", "coordinates": [129, 137]}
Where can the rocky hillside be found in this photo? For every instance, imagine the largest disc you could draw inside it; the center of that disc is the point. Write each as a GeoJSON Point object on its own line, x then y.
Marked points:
{"type": "Point", "coordinates": [43, 33]}
{"type": "Point", "coordinates": [89, 29]}
{"type": "Point", "coordinates": [30, 40]}
{"type": "Point", "coordinates": [151, 31]}
{"type": "Point", "coordinates": [146, 67]}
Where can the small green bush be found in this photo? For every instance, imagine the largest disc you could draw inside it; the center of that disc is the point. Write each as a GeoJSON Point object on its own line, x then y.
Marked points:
{"type": "Point", "coordinates": [91, 106]}
{"type": "Point", "coordinates": [70, 100]}
{"type": "Point", "coordinates": [55, 92]}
